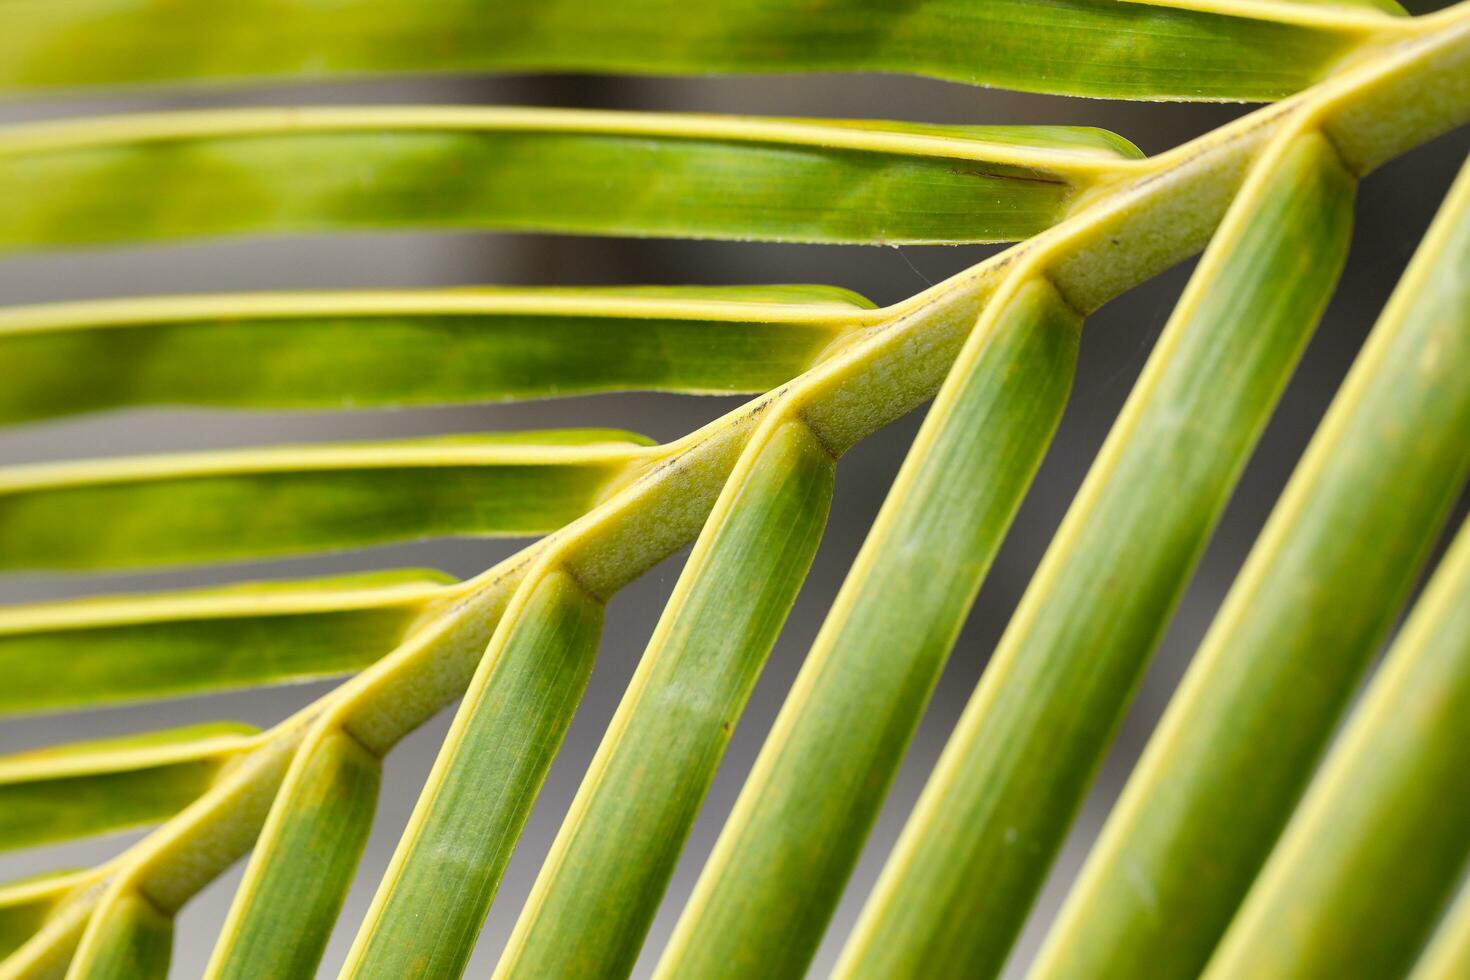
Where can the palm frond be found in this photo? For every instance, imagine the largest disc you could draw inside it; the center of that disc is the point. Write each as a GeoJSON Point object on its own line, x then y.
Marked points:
{"type": "Point", "coordinates": [85, 788]}
{"type": "Point", "coordinates": [1305, 615]}
{"type": "Point", "coordinates": [1315, 871]}
{"type": "Point", "coordinates": [182, 175]}
{"type": "Point", "coordinates": [166, 510]}
{"type": "Point", "coordinates": [150, 646]}
{"type": "Point", "coordinates": [1382, 816]}
{"type": "Point", "coordinates": [1179, 49]}
{"type": "Point", "coordinates": [424, 347]}
{"type": "Point", "coordinates": [1024, 751]}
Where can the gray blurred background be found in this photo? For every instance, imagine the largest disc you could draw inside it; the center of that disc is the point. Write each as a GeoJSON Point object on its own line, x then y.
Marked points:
{"type": "Point", "coordinates": [1396, 206]}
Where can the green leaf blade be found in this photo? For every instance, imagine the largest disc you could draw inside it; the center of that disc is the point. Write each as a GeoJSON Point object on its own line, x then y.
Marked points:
{"type": "Point", "coordinates": [1448, 953]}
{"type": "Point", "coordinates": [46, 954]}
{"type": "Point", "coordinates": [244, 504]}
{"type": "Point", "coordinates": [133, 940]}
{"type": "Point", "coordinates": [26, 905]}
{"type": "Point", "coordinates": [336, 351]}
{"type": "Point", "coordinates": [1155, 51]}
{"type": "Point", "coordinates": [1011, 777]}
{"type": "Point", "coordinates": [796, 830]}
{"type": "Point", "coordinates": [162, 177]}
{"type": "Point", "coordinates": [602, 882]}
{"type": "Point", "coordinates": [438, 889]}
{"type": "Point", "coordinates": [130, 648]}
{"type": "Point", "coordinates": [1373, 854]}
{"type": "Point", "coordinates": [1302, 621]}
{"type": "Point", "coordinates": [283, 917]}
{"type": "Point", "coordinates": [90, 788]}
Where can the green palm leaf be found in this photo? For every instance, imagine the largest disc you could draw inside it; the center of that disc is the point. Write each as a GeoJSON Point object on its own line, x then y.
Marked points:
{"type": "Point", "coordinates": [361, 350]}
{"type": "Point", "coordinates": [1303, 620]}
{"type": "Point", "coordinates": [285, 912]}
{"type": "Point", "coordinates": [128, 648]}
{"type": "Point", "coordinates": [442, 879]}
{"type": "Point", "coordinates": [1030, 739]}
{"type": "Point", "coordinates": [76, 790]}
{"type": "Point", "coordinates": [1227, 854]}
{"type": "Point", "coordinates": [1448, 955]}
{"type": "Point", "coordinates": [177, 175]}
{"type": "Point", "coordinates": [1199, 50]}
{"type": "Point", "coordinates": [27, 905]}
{"type": "Point", "coordinates": [602, 882]}
{"type": "Point", "coordinates": [1382, 816]}
{"type": "Point", "coordinates": [792, 838]}
{"type": "Point", "coordinates": [119, 513]}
